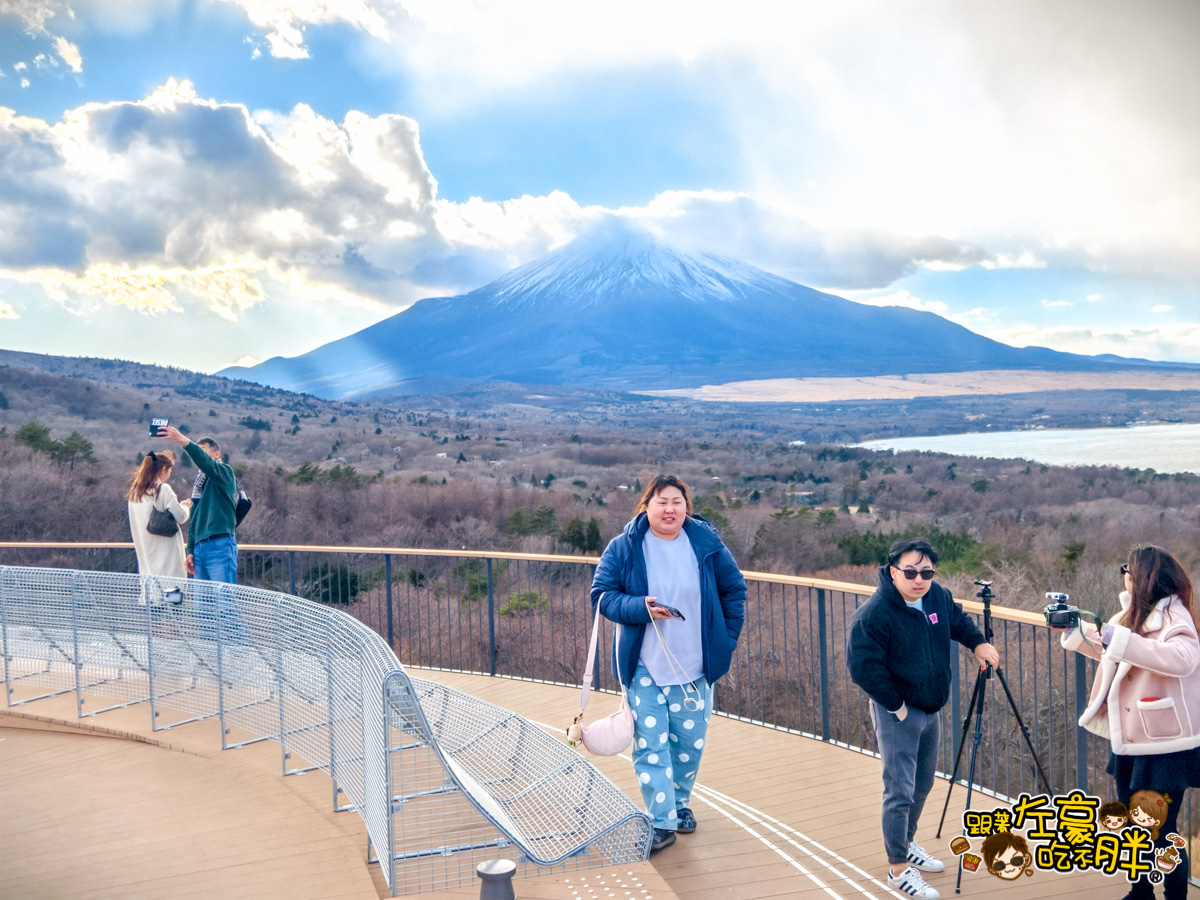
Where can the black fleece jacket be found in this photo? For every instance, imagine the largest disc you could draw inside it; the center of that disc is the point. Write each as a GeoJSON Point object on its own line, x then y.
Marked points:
{"type": "Point", "coordinates": [899, 655]}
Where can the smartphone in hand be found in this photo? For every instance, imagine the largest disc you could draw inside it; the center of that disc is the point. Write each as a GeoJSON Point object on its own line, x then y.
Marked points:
{"type": "Point", "coordinates": [156, 424]}
{"type": "Point", "coordinates": [675, 614]}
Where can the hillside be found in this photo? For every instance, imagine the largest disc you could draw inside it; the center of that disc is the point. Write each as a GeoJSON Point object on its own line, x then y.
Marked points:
{"type": "Point", "coordinates": [510, 467]}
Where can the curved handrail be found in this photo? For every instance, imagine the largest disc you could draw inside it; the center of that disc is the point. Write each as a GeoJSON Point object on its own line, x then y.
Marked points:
{"type": "Point", "coordinates": [998, 612]}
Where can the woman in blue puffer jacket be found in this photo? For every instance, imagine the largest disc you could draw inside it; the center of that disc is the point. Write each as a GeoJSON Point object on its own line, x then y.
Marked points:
{"type": "Point", "coordinates": [670, 570]}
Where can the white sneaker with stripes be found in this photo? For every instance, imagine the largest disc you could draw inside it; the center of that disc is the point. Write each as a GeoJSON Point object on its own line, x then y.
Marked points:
{"type": "Point", "coordinates": [910, 882]}
{"type": "Point", "coordinates": [918, 856]}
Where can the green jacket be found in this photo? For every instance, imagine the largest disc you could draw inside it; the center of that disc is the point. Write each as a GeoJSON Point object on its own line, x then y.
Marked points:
{"type": "Point", "coordinates": [213, 514]}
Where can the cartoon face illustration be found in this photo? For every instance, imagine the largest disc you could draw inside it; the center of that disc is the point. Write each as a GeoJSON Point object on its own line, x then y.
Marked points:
{"type": "Point", "coordinates": [1006, 855]}
{"type": "Point", "coordinates": [1113, 815]}
{"type": "Point", "coordinates": [1148, 809]}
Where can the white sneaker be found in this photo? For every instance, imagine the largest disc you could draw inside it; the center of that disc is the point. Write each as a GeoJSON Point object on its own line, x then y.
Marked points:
{"type": "Point", "coordinates": [910, 882]}
{"type": "Point", "coordinates": [919, 857]}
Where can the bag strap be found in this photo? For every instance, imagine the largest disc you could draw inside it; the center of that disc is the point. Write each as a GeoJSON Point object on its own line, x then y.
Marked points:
{"type": "Point", "coordinates": [673, 662]}
{"type": "Point", "coordinates": [591, 660]}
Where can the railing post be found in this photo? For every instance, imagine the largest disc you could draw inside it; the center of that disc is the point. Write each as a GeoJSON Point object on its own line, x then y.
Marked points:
{"type": "Point", "coordinates": [292, 572]}
{"type": "Point", "coordinates": [216, 602]}
{"type": "Point", "coordinates": [1081, 702]}
{"type": "Point", "coordinates": [491, 620]}
{"type": "Point", "coordinates": [279, 684]}
{"type": "Point", "coordinates": [387, 577]}
{"type": "Point", "coordinates": [8, 688]}
{"type": "Point", "coordinates": [76, 664]}
{"type": "Point", "coordinates": [955, 707]}
{"type": "Point", "coordinates": [824, 657]}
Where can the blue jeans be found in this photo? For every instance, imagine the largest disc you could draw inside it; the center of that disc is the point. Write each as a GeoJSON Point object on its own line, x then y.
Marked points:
{"type": "Point", "coordinates": [668, 740]}
{"type": "Point", "coordinates": [909, 751]}
{"type": "Point", "coordinates": [216, 559]}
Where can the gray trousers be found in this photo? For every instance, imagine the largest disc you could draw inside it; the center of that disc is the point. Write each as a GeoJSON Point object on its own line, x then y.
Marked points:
{"type": "Point", "coordinates": [909, 750]}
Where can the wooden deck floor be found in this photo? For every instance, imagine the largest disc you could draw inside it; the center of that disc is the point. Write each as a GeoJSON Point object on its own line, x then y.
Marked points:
{"type": "Point", "coordinates": [106, 808]}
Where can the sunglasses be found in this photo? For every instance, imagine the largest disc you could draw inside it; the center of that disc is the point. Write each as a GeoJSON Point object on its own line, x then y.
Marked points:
{"type": "Point", "coordinates": [1124, 569]}
{"type": "Point", "coordinates": [911, 574]}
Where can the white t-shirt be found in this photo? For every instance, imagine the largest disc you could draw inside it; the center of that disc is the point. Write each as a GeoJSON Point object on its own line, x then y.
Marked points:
{"type": "Point", "coordinates": [673, 577]}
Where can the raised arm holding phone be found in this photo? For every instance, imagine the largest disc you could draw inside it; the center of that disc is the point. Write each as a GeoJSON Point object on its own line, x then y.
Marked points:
{"type": "Point", "coordinates": [212, 546]}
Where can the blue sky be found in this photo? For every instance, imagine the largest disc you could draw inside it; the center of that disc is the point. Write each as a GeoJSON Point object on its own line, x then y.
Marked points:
{"type": "Point", "coordinates": [199, 182]}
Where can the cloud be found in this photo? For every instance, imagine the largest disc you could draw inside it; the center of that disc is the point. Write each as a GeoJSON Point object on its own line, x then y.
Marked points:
{"type": "Point", "coordinates": [1178, 342]}
{"type": "Point", "coordinates": [790, 242]}
{"type": "Point", "coordinates": [7, 311]}
{"type": "Point", "coordinates": [1054, 304]}
{"type": "Point", "coordinates": [1162, 308]}
{"type": "Point", "coordinates": [69, 54]}
{"type": "Point", "coordinates": [284, 21]}
{"type": "Point", "coordinates": [35, 16]}
{"type": "Point", "coordinates": [172, 198]}
{"type": "Point", "coordinates": [176, 201]}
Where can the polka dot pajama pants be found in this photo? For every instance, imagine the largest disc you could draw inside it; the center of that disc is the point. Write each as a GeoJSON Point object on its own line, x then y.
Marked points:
{"type": "Point", "coordinates": [668, 739]}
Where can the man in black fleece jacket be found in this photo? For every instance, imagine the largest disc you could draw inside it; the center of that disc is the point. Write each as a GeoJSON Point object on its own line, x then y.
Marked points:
{"type": "Point", "coordinates": [899, 653]}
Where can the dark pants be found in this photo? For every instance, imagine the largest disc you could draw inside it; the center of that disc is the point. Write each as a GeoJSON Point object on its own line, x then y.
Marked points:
{"type": "Point", "coordinates": [909, 751]}
{"type": "Point", "coordinates": [1171, 782]}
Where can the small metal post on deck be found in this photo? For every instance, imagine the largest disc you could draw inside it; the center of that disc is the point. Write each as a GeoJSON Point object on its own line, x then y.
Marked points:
{"type": "Point", "coordinates": [491, 621]}
{"type": "Point", "coordinates": [1081, 702]}
{"type": "Point", "coordinates": [497, 875]}
{"type": "Point", "coordinates": [824, 664]}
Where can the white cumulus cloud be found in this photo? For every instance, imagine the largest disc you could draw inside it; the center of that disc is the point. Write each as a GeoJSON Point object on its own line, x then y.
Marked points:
{"type": "Point", "coordinates": [7, 311]}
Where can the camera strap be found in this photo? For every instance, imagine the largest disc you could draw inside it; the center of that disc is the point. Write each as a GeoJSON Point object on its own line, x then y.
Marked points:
{"type": "Point", "coordinates": [1099, 627]}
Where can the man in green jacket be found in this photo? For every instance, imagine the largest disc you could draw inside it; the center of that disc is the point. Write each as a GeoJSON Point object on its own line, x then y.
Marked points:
{"type": "Point", "coordinates": [212, 546]}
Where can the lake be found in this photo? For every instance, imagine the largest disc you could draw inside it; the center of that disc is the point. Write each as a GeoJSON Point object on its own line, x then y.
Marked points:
{"type": "Point", "coordinates": [1164, 448]}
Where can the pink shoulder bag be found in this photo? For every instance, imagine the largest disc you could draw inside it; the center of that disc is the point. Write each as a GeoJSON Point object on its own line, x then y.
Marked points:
{"type": "Point", "coordinates": [613, 733]}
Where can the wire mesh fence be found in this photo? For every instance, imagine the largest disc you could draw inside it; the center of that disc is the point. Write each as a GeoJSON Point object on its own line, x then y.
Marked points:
{"type": "Point", "coordinates": [331, 693]}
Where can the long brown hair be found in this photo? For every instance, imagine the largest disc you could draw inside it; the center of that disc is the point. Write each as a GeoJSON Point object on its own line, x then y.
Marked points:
{"type": "Point", "coordinates": [146, 476]}
{"type": "Point", "coordinates": [657, 485]}
{"type": "Point", "coordinates": [1155, 574]}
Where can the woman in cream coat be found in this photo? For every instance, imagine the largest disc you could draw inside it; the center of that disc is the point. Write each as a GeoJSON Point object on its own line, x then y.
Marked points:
{"type": "Point", "coordinates": [148, 489]}
{"type": "Point", "coordinates": [1146, 696]}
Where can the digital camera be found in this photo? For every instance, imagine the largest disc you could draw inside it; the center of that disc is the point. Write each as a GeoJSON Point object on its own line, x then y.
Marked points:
{"type": "Point", "coordinates": [1060, 614]}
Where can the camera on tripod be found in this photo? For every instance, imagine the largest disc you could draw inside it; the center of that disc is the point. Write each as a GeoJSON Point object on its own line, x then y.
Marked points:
{"type": "Point", "coordinates": [1059, 613]}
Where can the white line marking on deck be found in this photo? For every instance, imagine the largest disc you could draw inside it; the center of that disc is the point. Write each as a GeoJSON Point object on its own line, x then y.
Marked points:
{"type": "Point", "coordinates": [779, 828]}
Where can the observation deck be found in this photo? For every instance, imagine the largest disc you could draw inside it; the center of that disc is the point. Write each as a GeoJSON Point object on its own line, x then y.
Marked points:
{"type": "Point", "coordinates": [107, 806]}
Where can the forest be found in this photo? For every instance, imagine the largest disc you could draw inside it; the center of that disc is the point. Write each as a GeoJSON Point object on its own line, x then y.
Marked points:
{"type": "Point", "coordinates": [508, 468]}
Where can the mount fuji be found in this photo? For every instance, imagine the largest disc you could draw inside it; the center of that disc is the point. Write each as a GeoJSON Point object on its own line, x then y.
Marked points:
{"type": "Point", "coordinates": [618, 309]}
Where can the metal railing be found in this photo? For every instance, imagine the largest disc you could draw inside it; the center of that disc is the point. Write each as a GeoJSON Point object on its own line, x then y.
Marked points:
{"type": "Point", "coordinates": [442, 780]}
{"type": "Point", "coordinates": [527, 616]}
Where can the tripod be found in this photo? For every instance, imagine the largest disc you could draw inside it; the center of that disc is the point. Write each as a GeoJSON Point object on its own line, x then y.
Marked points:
{"type": "Point", "coordinates": [976, 708]}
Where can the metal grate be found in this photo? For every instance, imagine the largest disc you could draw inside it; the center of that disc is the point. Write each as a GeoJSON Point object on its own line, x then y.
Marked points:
{"type": "Point", "coordinates": [442, 779]}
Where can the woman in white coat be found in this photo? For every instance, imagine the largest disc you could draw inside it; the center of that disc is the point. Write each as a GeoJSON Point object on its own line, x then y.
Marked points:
{"type": "Point", "coordinates": [148, 490]}
{"type": "Point", "coordinates": [1146, 696]}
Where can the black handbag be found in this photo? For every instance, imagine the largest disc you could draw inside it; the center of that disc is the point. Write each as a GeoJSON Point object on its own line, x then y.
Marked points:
{"type": "Point", "coordinates": [162, 523]}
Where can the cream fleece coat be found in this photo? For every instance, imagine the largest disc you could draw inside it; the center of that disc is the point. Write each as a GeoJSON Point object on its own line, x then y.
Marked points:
{"type": "Point", "coordinates": [1146, 696]}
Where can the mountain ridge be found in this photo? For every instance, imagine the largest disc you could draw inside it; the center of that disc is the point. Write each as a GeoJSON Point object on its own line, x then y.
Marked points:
{"type": "Point", "coordinates": [618, 309]}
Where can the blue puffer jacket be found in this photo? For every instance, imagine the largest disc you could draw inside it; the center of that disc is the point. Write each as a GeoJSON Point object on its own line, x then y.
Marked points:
{"type": "Point", "coordinates": [621, 587]}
